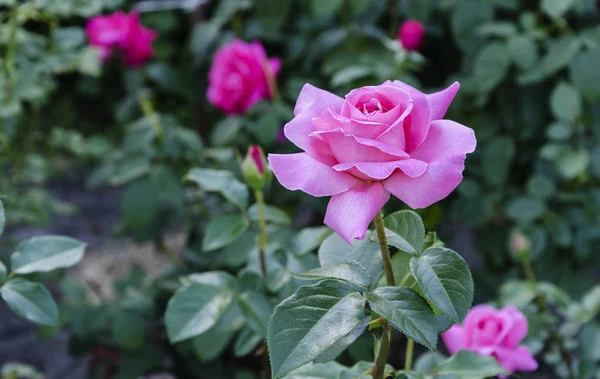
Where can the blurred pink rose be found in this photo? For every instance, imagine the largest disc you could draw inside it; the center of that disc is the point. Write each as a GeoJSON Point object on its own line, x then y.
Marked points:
{"type": "Point", "coordinates": [241, 75]}
{"type": "Point", "coordinates": [491, 332]}
{"type": "Point", "coordinates": [378, 140]}
{"type": "Point", "coordinates": [411, 34]}
{"type": "Point", "coordinates": [123, 31]}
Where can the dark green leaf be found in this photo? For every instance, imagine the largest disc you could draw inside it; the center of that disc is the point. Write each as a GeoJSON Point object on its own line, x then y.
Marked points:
{"type": "Point", "coordinates": [272, 214]}
{"type": "Point", "coordinates": [210, 344]}
{"type": "Point", "coordinates": [223, 182]}
{"type": "Point", "coordinates": [30, 300]}
{"type": "Point", "coordinates": [343, 343]}
{"type": "Point", "coordinates": [469, 365]}
{"type": "Point", "coordinates": [223, 230]}
{"type": "Point", "coordinates": [46, 253]}
{"type": "Point", "coordinates": [491, 66]}
{"type": "Point", "coordinates": [556, 8]}
{"type": "Point", "coordinates": [350, 271]}
{"type": "Point", "coordinates": [325, 8]}
{"type": "Point", "coordinates": [329, 370]}
{"type": "Point", "coordinates": [409, 227]}
{"type": "Point", "coordinates": [585, 74]}
{"type": "Point", "coordinates": [246, 342]}
{"type": "Point", "coordinates": [309, 239]}
{"type": "Point", "coordinates": [2, 272]}
{"type": "Point", "coordinates": [2, 218]}
{"type": "Point", "coordinates": [257, 309]}
{"type": "Point", "coordinates": [524, 51]}
{"type": "Point", "coordinates": [272, 14]}
{"type": "Point", "coordinates": [309, 322]}
{"type": "Point", "coordinates": [525, 209]}
{"type": "Point", "coordinates": [496, 160]}
{"type": "Point", "coordinates": [226, 131]}
{"type": "Point", "coordinates": [401, 267]}
{"type": "Point", "coordinates": [407, 312]}
{"type": "Point", "coordinates": [127, 330]}
{"type": "Point", "coordinates": [446, 281]}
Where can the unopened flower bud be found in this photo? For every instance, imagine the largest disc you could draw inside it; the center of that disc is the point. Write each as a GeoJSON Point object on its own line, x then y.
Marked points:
{"type": "Point", "coordinates": [255, 169]}
{"type": "Point", "coordinates": [411, 34]}
{"type": "Point", "coordinates": [520, 245]}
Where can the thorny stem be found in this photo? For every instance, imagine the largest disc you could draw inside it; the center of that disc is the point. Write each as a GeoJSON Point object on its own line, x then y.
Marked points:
{"type": "Point", "coordinates": [150, 114]}
{"type": "Point", "coordinates": [262, 236]}
{"type": "Point", "coordinates": [384, 346]}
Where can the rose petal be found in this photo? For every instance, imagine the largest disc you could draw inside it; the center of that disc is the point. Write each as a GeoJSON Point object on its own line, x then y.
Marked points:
{"type": "Point", "coordinates": [440, 101]}
{"type": "Point", "coordinates": [392, 104]}
{"type": "Point", "coordinates": [382, 170]}
{"type": "Point", "coordinates": [315, 101]}
{"type": "Point", "coordinates": [349, 148]}
{"type": "Point", "coordinates": [350, 213]}
{"type": "Point", "coordinates": [299, 129]}
{"type": "Point", "coordinates": [519, 359]}
{"type": "Point", "coordinates": [275, 64]}
{"type": "Point", "coordinates": [416, 125]}
{"type": "Point", "coordinates": [366, 129]}
{"type": "Point", "coordinates": [445, 151]}
{"type": "Point", "coordinates": [304, 172]}
{"type": "Point", "coordinates": [454, 339]}
{"type": "Point", "coordinates": [519, 327]}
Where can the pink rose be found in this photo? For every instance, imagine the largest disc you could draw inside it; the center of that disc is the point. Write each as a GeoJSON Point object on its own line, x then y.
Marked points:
{"type": "Point", "coordinates": [241, 75]}
{"type": "Point", "coordinates": [411, 34]}
{"type": "Point", "coordinates": [123, 31]}
{"type": "Point", "coordinates": [378, 140]}
{"type": "Point", "coordinates": [491, 332]}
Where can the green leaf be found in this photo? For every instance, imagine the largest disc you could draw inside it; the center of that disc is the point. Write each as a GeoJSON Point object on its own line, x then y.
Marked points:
{"type": "Point", "coordinates": [196, 308]}
{"type": "Point", "coordinates": [333, 351]}
{"type": "Point", "coordinates": [257, 309]}
{"type": "Point", "coordinates": [127, 330]}
{"type": "Point", "coordinates": [46, 253]}
{"type": "Point", "coordinates": [321, 8]}
{"type": "Point", "coordinates": [2, 272]}
{"type": "Point", "coordinates": [350, 74]}
{"type": "Point", "coordinates": [209, 345]}
{"type": "Point", "coordinates": [272, 214]}
{"type": "Point", "coordinates": [491, 66]}
{"type": "Point", "coordinates": [350, 271]}
{"type": "Point", "coordinates": [496, 160]}
{"type": "Point", "coordinates": [246, 342]}
{"type": "Point", "coordinates": [335, 250]}
{"type": "Point", "coordinates": [408, 312]}
{"type": "Point", "coordinates": [329, 370]}
{"type": "Point", "coordinates": [573, 163]}
{"type": "Point", "coordinates": [469, 365]}
{"type": "Point", "coordinates": [556, 8]}
{"type": "Point", "coordinates": [446, 281]}
{"type": "Point", "coordinates": [401, 267]}
{"type": "Point", "coordinates": [308, 239]}
{"type": "Point", "coordinates": [223, 230]}
{"type": "Point", "coordinates": [30, 300]}
{"type": "Point", "coordinates": [585, 74]}
{"type": "Point", "coordinates": [524, 51]}
{"type": "Point", "coordinates": [309, 322]}
{"type": "Point", "coordinates": [2, 218]}
{"type": "Point", "coordinates": [226, 131]}
{"type": "Point", "coordinates": [360, 368]}
{"type": "Point", "coordinates": [409, 227]}
{"type": "Point", "coordinates": [525, 209]}
{"type": "Point", "coordinates": [223, 182]}
{"type": "Point", "coordinates": [560, 53]}
{"type": "Point", "coordinates": [565, 102]}
{"type": "Point", "coordinates": [272, 14]}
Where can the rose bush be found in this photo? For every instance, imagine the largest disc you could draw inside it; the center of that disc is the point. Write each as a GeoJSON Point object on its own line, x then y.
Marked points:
{"type": "Point", "coordinates": [379, 140]}
{"type": "Point", "coordinates": [491, 332]}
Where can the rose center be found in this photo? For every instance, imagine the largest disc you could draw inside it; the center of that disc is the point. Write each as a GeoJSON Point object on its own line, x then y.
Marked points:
{"type": "Point", "coordinates": [372, 107]}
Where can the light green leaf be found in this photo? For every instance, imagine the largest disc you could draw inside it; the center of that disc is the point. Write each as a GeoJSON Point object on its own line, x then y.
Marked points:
{"type": "Point", "coordinates": [446, 281]}
{"type": "Point", "coordinates": [226, 131]}
{"type": "Point", "coordinates": [196, 308]}
{"type": "Point", "coordinates": [409, 227]}
{"type": "Point", "coordinates": [556, 8]}
{"type": "Point", "coordinates": [573, 163]}
{"type": "Point", "coordinates": [30, 300]}
{"type": "Point", "coordinates": [565, 102]}
{"type": "Point", "coordinates": [491, 66]}
{"type": "Point", "coordinates": [335, 250]}
{"type": "Point", "coordinates": [223, 182]}
{"type": "Point", "coordinates": [329, 370]}
{"type": "Point", "coordinates": [469, 365]}
{"type": "Point", "coordinates": [525, 209]}
{"type": "Point", "coordinates": [2, 272]}
{"type": "Point", "coordinates": [350, 271]}
{"type": "Point", "coordinates": [408, 312]}
{"type": "Point", "coordinates": [349, 74]}
{"type": "Point", "coordinates": [46, 253]}
{"type": "Point", "coordinates": [524, 51]}
{"type": "Point", "coordinates": [560, 53]}
{"type": "Point", "coordinates": [209, 345]}
{"type": "Point", "coordinates": [309, 322]}
{"type": "Point", "coordinates": [321, 8]}
{"type": "Point", "coordinates": [272, 214]}
{"type": "Point", "coordinates": [2, 218]}
{"type": "Point", "coordinates": [246, 342]}
{"type": "Point", "coordinates": [333, 351]}
{"type": "Point", "coordinates": [257, 309]}
{"type": "Point", "coordinates": [401, 267]}
{"type": "Point", "coordinates": [309, 239]}
{"type": "Point", "coordinates": [223, 230]}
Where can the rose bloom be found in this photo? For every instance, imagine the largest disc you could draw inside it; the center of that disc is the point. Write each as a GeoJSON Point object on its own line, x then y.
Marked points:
{"type": "Point", "coordinates": [123, 31]}
{"type": "Point", "coordinates": [491, 332]}
{"type": "Point", "coordinates": [379, 140]}
{"type": "Point", "coordinates": [411, 34]}
{"type": "Point", "coordinates": [241, 75]}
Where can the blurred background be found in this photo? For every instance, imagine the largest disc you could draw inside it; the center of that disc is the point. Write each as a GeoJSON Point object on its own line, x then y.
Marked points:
{"type": "Point", "coordinates": [94, 144]}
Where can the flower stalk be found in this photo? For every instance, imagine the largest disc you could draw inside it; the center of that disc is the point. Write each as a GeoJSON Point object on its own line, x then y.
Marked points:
{"type": "Point", "coordinates": [262, 233]}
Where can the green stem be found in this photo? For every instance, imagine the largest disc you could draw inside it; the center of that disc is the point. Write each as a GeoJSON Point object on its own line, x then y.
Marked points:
{"type": "Point", "coordinates": [262, 236]}
{"type": "Point", "coordinates": [385, 251]}
{"type": "Point", "coordinates": [162, 246]}
{"type": "Point", "coordinates": [10, 48]}
{"type": "Point", "coordinates": [384, 346]}
{"type": "Point", "coordinates": [410, 344]}
{"type": "Point", "coordinates": [529, 274]}
{"type": "Point", "coordinates": [150, 115]}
